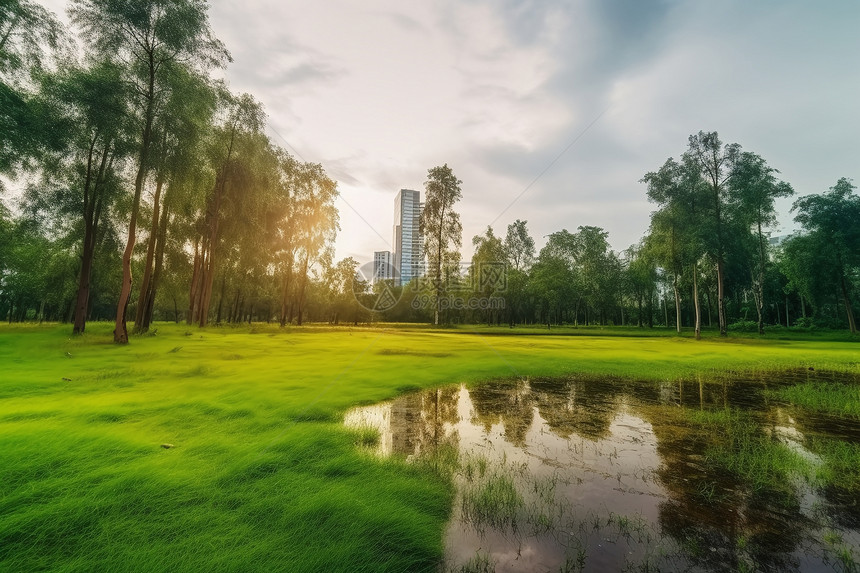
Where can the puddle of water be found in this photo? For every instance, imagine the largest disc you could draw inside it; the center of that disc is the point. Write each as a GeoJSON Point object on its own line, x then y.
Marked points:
{"type": "Point", "coordinates": [578, 475]}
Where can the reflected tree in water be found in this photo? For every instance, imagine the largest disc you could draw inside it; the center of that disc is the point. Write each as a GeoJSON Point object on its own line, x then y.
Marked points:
{"type": "Point", "coordinates": [506, 404]}
{"type": "Point", "coordinates": [418, 420]}
{"type": "Point", "coordinates": [584, 408]}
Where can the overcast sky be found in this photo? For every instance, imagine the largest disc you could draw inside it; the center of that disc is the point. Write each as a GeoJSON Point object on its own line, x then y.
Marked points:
{"type": "Point", "coordinates": [380, 91]}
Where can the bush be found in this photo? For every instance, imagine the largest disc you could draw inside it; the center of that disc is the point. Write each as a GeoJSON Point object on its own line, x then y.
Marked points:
{"type": "Point", "coordinates": [811, 324]}
{"type": "Point", "coordinates": [744, 326]}
{"type": "Point", "coordinates": [830, 323]}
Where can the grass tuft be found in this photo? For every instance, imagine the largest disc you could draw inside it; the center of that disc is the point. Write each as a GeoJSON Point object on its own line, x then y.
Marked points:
{"type": "Point", "coordinates": [494, 502]}
{"type": "Point", "coordinates": [829, 398]}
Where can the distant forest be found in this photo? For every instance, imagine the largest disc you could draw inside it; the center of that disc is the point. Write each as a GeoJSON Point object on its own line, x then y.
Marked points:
{"type": "Point", "coordinates": [151, 192]}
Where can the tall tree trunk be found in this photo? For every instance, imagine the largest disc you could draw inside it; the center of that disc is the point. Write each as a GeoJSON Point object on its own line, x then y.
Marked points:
{"type": "Point", "coordinates": [288, 279]}
{"type": "Point", "coordinates": [207, 279]}
{"type": "Point", "coordinates": [708, 299]}
{"type": "Point", "coordinates": [721, 303]}
{"type": "Point", "coordinates": [159, 266]}
{"type": "Point", "coordinates": [83, 297]}
{"type": "Point", "coordinates": [696, 304]}
{"type": "Point", "coordinates": [759, 287]}
{"type": "Point", "coordinates": [236, 310]}
{"type": "Point", "coordinates": [220, 299]}
{"type": "Point", "coordinates": [758, 309]}
{"type": "Point", "coordinates": [666, 311]}
{"type": "Point", "coordinates": [195, 281]}
{"type": "Point", "coordinates": [652, 293]}
{"type": "Point", "coordinates": [200, 280]}
{"type": "Point", "coordinates": [214, 226]}
{"type": "Point", "coordinates": [300, 299]}
{"type": "Point", "coordinates": [140, 326]}
{"type": "Point", "coordinates": [120, 333]}
{"type": "Point", "coordinates": [849, 312]}
{"type": "Point", "coordinates": [91, 206]}
{"type": "Point", "coordinates": [437, 283]}
{"type": "Point", "coordinates": [677, 303]}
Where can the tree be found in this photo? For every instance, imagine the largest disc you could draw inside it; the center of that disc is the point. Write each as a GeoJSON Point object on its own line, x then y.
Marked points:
{"type": "Point", "coordinates": [317, 223]}
{"type": "Point", "coordinates": [598, 271]}
{"type": "Point", "coordinates": [488, 270]}
{"type": "Point", "coordinates": [94, 104]}
{"type": "Point", "coordinates": [28, 34]}
{"type": "Point", "coordinates": [676, 228]}
{"type": "Point", "coordinates": [832, 223]}
{"type": "Point", "coordinates": [715, 162]}
{"type": "Point", "coordinates": [177, 160]}
{"type": "Point", "coordinates": [519, 246]}
{"type": "Point", "coordinates": [440, 225]}
{"type": "Point", "coordinates": [554, 280]}
{"type": "Point", "coordinates": [26, 29]}
{"type": "Point", "coordinates": [305, 225]}
{"type": "Point", "coordinates": [342, 285]}
{"type": "Point", "coordinates": [754, 188]}
{"type": "Point", "coordinates": [149, 36]}
{"type": "Point", "coordinates": [245, 165]}
{"type": "Point", "coordinates": [641, 271]}
{"type": "Point", "coordinates": [38, 269]}
{"type": "Point", "coordinates": [520, 251]}
{"type": "Point", "coordinates": [803, 261]}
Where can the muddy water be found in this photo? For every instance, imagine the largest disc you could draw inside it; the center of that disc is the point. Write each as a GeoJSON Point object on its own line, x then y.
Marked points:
{"type": "Point", "coordinates": [601, 475]}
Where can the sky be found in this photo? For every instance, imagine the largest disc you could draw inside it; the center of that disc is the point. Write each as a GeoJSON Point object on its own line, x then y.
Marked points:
{"type": "Point", "coordinates": [550, 111]}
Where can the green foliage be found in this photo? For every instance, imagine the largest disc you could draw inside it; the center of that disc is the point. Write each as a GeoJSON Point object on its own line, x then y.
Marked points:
{"type": "Point", "coordinates": [744, 326]}
{"type": "Point", "coordinates": [519, 246]}
{"type": "Point", "coordinates": [28, 33]}
{"type": "Point", "coordinates": [826, 257]}
{"type": "Point", "coordinates": [440, 226]}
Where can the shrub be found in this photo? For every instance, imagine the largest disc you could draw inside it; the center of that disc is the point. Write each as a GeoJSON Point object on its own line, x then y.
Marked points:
{"type": "Point", "coordinates": [744, 326]}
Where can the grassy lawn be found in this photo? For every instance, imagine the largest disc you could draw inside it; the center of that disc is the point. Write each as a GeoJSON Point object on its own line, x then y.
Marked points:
{"type": "Point", "coordinates": [261, 475]}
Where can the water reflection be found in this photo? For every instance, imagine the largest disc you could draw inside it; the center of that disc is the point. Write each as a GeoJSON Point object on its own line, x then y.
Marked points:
{"type": "Point", "coordinates": [598, 475]}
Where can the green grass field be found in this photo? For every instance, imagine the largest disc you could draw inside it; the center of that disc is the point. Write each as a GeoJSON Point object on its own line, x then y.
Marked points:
{"type": "Point", "coordinates": [262, 475]}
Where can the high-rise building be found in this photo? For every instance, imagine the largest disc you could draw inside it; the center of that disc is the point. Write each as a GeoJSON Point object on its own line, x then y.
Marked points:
{"type": "Point", "coordinates": [382, 266]}
{"type": "Point", "coordinates": [408, 249]}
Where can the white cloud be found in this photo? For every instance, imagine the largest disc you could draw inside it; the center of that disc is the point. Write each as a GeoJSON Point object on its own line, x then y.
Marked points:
{"type": "Point", "coordinates": [381, 91]}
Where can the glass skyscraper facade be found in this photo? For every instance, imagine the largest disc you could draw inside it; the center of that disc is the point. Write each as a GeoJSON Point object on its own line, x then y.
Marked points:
{"type": "Point", "coordinates": [408, 255]}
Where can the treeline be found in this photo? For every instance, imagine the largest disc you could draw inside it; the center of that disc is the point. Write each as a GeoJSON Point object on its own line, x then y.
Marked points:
{"type": "Point", "coordinates": [707, 259]}
{"type": "Point", "coordinates": [129, 136]}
